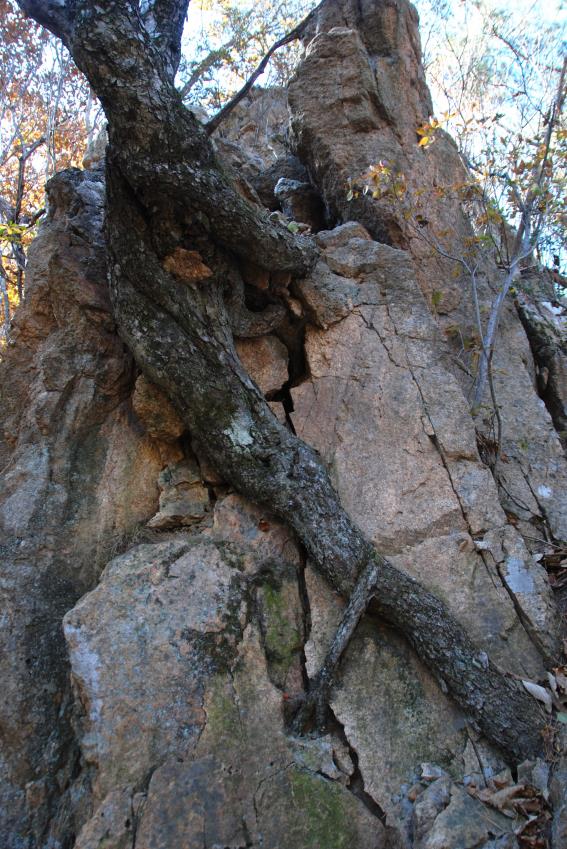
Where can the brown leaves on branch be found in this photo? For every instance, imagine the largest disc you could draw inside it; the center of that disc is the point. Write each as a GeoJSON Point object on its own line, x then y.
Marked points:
{"type": "Point", "coordinates": [42, 100]}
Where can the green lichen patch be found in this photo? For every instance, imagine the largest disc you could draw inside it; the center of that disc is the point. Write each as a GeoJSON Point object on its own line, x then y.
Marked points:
{"type": "Point", "coordinates": [325, 810]}
{"type": "Point", "coordinates": [223, 719]}
{"type": "Point", "coordinates": [282, 628]}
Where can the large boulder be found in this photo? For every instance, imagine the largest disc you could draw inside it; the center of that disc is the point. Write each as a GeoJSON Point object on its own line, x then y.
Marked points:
{"type": "Point", "coordinates": [178, 659]}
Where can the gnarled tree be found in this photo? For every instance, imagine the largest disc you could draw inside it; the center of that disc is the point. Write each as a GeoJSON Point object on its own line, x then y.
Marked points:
{"type": "Point", "coordinates": [177, 230]}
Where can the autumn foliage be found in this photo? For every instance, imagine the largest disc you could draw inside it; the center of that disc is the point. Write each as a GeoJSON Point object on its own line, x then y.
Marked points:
{"type": "Point", "coordinates": [42, 129]}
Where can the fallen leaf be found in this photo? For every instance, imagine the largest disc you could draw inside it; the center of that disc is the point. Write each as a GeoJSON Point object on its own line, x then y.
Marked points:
{"type": "Point", "coordinates": [503, 800]}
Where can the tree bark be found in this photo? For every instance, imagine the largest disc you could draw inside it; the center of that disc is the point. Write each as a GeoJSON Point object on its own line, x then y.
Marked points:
{"type": "Point", "coordinates": [167, 195]}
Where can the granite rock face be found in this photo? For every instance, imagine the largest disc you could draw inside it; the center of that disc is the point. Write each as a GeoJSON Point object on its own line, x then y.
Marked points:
{"type": "Point", "coordinates": [384, 409]}
{"type": "Point", "coordinates": [265, 359]}
{"type": "Point", "coordinates": [158, 631]}
{"type": "Point", "coordinates": [364, 105]}
{"type": "Point", "coordinates": [195, 631]}
{"type": "Point", "coordinates": [78, 476]}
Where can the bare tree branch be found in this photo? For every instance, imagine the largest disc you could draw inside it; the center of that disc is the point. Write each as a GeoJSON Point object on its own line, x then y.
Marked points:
{"type": "Point", "coordinates": [291, 36]}
{"type": "Point", "coordinates": [205, 65]}
{"type": "Point", "coordinates": [524, 243]}
{"type": "Point", "coordinates": [25, 154]}
{"type": "Point", "coordinates": [5, 302]}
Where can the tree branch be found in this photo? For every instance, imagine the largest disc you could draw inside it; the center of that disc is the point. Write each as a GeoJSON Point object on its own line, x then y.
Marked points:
{"type": "Point", "coordinates": [205, 65]}
{"type": "Point", "coordinates": [25, 154]}
{"type": "Point", "coordinates": [291, 36]}
{"type": "Point", "coordinates": [524, 244]}
{"type": "Point", "coordinates": [164, 21]}
{"type": "Point", "coordinates": [51, 14]}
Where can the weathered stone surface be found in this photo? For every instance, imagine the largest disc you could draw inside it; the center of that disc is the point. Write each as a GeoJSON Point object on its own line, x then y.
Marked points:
{"type": "Point", "coordinates": [77, 479]}
{"type": "Point", "coordinates": [112, 824]}
{"type": "Point", "coordinates": [429, 805]}
{"type": "Point", "coordinates": [278, 411]}
{"type": "Point", "coordinates": [176, 678]}
{"type": "Point", "coordinates": [256, 125]}
{"type": "Point", "coordinates": [470, 585]}
{"type": "Point", "coordinates": [238, 521]}
{"type": "Point", "coordinates": [342, 235]}
{"type": "Point", "coordinates": [266, 181]}
{"type": "Point", "coordinates": [280, 608]}
{"type": "Point", "coordinates": [156, 411]}
{"type": "Point", "coordinates": [241, 164]}
{"type": "Point", "coordinates": [368, 109]}
{"type": "Point", "coordinates": [183, 498]}
{"type": "Point", "coordinates": [300, 202]}
{"type": "Point", "coordinates": [544, 322]}
{"type": "Point", "coordinates": [264, 795]}
{"type": "Point", "coordinates": [327, 296]}
{"type": "Point", "coordinates": [404, 731]}
{"type": "Point", "coordinates": [403, 430]}
{"type": "Point", "coordinates": [507, 841]}
{"type": "Point", "coordinates": [376, 412]}
{"type": "Point", "coordinates": [404, 439]}
{"type": "Point", "coordinates": [463, 824]}
{"type": "Point", "coordinates": [528, 585]}
{"type": "Point", "coordinates": [534, 477]}
{"type": "Point", "coordinates": [390, 33]}
{"type": "Point", "coordinates": [265, 360]}
{"type": "Point", "coordinates": [129, 633]}
{"type": "Point", "coordinates": [392, 712]}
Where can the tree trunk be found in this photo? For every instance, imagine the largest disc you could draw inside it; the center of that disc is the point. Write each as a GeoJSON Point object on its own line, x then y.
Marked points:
{"type": "Point", "coordinates": [176, 229]}
{"type": "Point", "coordinates": [5, 302]}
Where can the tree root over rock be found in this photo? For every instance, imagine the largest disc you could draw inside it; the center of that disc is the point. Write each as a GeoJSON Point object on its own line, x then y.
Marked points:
{"type": "Point", "coordinates": [166, 191]}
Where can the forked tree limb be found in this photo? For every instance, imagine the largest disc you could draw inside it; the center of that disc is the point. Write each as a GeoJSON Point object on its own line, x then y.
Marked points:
{"type": "Point", "coordinates": [167, 157]}
{"type": "Point", "coordinates": [160, 171]}
{"type": "Point", "coordinates": [317, 697]}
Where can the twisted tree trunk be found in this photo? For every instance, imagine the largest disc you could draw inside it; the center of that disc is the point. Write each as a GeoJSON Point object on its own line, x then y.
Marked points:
{"type": "Point", "coordinates": [176, 230]}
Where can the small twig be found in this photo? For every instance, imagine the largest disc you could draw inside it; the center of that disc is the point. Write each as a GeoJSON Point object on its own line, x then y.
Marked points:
{"type": "Point", "coordinates": [521, 504]}
{"type": "Point", "coordinates": [477, 755]}
{"type": "Point", "coordinates": [205, 65]}
{"type": "Point", "coordinates": [545, 541]}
